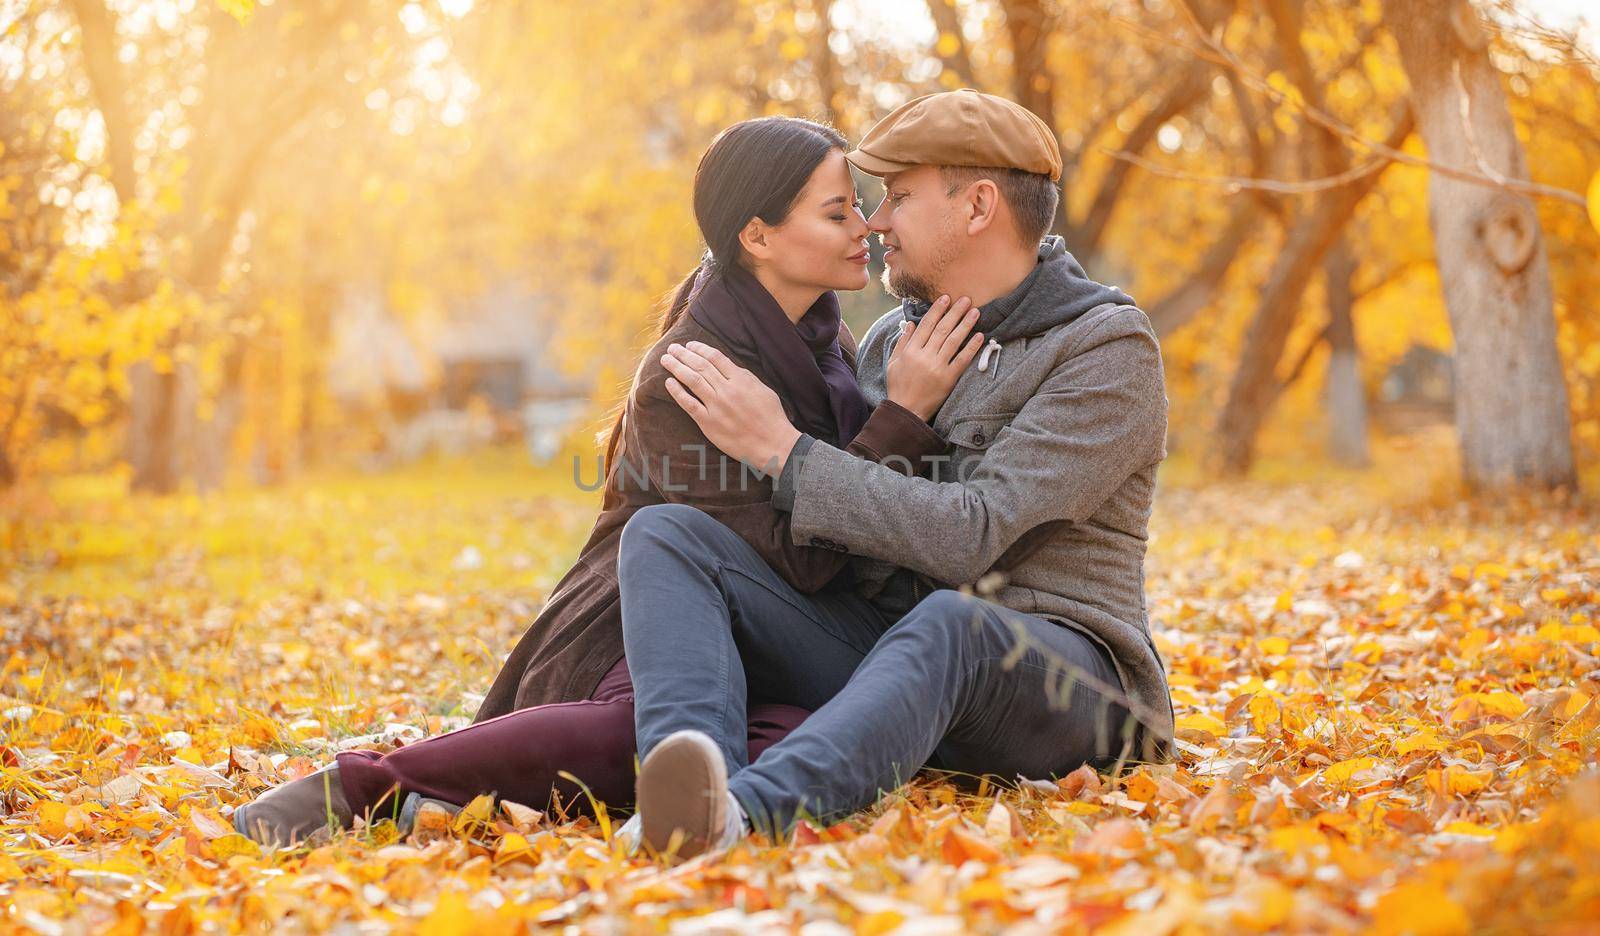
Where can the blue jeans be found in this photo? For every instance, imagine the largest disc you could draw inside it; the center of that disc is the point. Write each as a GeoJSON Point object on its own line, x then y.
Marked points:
{"type": "Point", "coordinates": [958, 683]}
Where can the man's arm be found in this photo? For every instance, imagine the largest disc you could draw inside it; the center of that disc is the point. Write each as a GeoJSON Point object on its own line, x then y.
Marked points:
{"type": "Point", "coordinates": [685, 467]}
{"type": "Point", "coordinates": [1100, 417]}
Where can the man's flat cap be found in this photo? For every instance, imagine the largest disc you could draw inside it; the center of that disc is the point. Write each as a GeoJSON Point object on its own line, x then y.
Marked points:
{"type": "Point", "coordinates": [959, 128]}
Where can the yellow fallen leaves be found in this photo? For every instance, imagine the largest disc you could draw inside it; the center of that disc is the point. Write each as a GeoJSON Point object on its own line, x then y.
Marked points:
{"type": "Point", "coordinates": [1387, 722]}
{"type": "Point", "coordinates": [1274, 646]}
{"type": "Point", "coordinates": [1200, 721]}
{"type": "Point", "coordinates": [1425, 740]}
{"type": "Point", "coordinates": [58, 820]}
{"type": "Point", "coordinates": [1459, 780]}
{"type": "Point", "coordinates": [1555, 632]}
{"type": "Point", "coordinates": [1498, 702]}
{"type": "Point", "coordinates": [1415, 909]}
{"type": "Point", "coordinates": [1348, 771]}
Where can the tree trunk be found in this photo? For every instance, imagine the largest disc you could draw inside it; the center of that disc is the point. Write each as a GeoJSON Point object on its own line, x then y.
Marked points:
{"type": "Point", "coordinates": [152, 449]}
{"type": "Point", "coordinates": [1028, 23]}
{"type": "Point", "coordinates": [954, 56]}
{"type": "Point", "coordinates": [1511, 400]}
{"type": "Point", "coordinates": [1343, 393]}
{"type": "Point", "coordinates": [1255, 383]}
{"type": "Point", "coordinates": [99, 26]}
{"type": "Point", "coordinates": [824, 64]}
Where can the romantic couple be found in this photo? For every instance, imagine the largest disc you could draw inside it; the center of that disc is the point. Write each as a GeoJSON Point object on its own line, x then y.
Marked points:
{"type": "Point", "coordinates": [821, 567]}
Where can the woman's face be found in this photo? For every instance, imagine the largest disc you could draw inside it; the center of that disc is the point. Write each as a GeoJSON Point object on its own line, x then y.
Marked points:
{"type": "Point", "coordinates": [823, 241]}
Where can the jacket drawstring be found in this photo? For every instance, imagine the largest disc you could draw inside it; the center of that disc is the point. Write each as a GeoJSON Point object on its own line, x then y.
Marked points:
{"type": "Point", "coordinates": [983, 359]}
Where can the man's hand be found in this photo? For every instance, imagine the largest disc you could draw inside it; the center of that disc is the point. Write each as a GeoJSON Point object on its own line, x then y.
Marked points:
{"type": "Point", "coordinates": [930, 357]}
{"type": "Point", "coordinates": [737, 412]}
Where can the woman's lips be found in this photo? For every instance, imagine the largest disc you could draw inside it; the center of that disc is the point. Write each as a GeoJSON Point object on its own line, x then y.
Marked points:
{"type": "Point", "coordinates": [860, 258]}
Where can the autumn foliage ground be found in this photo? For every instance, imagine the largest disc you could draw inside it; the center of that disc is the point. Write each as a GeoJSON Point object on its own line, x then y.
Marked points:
{"type": "Point", "coordinates": [1388, 701]}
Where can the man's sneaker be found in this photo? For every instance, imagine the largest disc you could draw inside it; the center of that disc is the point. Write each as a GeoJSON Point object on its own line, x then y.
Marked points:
{"type": "Point", "coordinates": [290, 813]}
{"type": "Point", "coordinates": [630, 835]}
{"type": "Point", "coordinates": [683, 798]}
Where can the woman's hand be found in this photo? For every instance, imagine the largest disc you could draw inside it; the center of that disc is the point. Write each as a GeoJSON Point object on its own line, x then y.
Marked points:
{"type": "Point", "coordinates": [930, 356]}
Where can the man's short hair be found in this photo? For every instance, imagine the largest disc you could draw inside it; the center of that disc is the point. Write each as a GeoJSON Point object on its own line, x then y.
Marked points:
{"type": "Point", "coordinates": [1032, 196]}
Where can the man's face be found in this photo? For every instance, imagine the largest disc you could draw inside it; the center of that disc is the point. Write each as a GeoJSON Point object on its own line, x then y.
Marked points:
{"type": "Point", "coordinates": [920, 230]}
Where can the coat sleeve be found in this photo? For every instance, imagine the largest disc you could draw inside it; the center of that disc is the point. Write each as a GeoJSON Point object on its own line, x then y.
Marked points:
{"type": "Point", "coordinates": [1099, 417]}
{"type": "Point", "coordinates": [667, 452]}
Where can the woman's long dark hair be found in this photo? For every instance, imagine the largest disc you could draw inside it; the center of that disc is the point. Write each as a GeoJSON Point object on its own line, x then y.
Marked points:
{"type": "Point", "coordinates": [753, 169]}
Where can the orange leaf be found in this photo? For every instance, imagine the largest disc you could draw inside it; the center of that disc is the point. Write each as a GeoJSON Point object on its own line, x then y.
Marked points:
{"type": "Point", "coordinates": [961, 845]}
{"type": "Point", "coordinates": [1115, 835]}
{"type": "Point", "coordinates": [1420, 910]}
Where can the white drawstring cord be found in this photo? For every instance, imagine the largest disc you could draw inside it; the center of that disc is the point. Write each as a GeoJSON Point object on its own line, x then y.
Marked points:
{"type": "Point", "coordinates": [983, 359]}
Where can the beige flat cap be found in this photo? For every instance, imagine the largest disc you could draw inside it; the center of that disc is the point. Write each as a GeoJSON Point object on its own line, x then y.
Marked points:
{"type": "Point", "coordinates": [959, 128]}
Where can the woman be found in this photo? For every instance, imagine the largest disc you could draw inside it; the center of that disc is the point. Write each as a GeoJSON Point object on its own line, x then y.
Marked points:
{"type": "Point", "coordinates": [774, 201]}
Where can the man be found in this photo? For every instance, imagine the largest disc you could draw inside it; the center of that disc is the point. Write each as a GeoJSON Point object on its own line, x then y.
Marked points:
{"type": "Point", "coordinates": [1055, 435]}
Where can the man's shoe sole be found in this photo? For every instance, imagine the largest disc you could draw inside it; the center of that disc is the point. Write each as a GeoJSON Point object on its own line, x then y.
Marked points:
{"type": "Point", "coordinates": [683, 786]}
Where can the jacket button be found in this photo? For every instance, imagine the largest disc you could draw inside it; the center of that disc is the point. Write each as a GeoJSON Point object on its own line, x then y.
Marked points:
{"type": "Point", "coordinates": [979, 438]}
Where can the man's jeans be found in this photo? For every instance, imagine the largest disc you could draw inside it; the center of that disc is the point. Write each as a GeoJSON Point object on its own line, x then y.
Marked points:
{"type": "Point", "coordinates": [958, 683]}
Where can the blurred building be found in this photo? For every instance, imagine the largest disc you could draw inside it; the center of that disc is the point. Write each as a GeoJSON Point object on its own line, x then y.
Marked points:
{"type": "Point", "coordinates": [1419, 390]}
{"type": "Point", "coordinates": [483, 370]}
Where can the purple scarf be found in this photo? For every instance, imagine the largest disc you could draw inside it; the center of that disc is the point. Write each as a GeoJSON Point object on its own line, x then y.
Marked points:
{"type": "Point", "coordinates": [803, 358]}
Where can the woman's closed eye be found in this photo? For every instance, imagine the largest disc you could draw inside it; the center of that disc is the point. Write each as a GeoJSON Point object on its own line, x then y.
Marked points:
{"type": "Point", "coordinates": [855, 204]}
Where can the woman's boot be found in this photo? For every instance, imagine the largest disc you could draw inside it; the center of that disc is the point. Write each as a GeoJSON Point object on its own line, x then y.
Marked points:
{"type": "Point", "coordinates": [289, 814]}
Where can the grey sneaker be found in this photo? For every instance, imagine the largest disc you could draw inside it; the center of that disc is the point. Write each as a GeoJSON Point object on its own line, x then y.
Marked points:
{"type": "Point", "coordinates": [630, 835]}
{"type": "Point", "coordinates": [683, 795]}
{"type": "Point", "coordinates": [290, 813]}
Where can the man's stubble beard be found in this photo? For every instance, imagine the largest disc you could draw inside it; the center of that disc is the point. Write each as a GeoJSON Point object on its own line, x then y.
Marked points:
{"type": "Point", "coordinates": [905, 284]}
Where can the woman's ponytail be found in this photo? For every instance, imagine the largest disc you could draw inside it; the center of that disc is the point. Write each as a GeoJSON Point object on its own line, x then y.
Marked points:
{"type": "Point", "coordinates": [680, 297]}
{"type": "Point", "coordinates": [671, 312]}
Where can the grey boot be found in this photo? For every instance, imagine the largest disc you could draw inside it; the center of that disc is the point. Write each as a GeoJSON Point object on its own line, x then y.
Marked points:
{"type": "Point", "coordinates": [289, 814]}
{"type": "Point", "coordinates": [413, 805]}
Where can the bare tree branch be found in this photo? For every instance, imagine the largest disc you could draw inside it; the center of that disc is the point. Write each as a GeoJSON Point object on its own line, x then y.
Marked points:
{"type": "Point", "coordinates": [1190, 88]}
{"type": "Point", "coordinates": [1233, 184]}
{"type": "Point", "coordinates": [1254, 386]}
{"type": "Point", "coordinates": [1176, 309]}
{"type": "Point", "coordinates": [1214, 51]}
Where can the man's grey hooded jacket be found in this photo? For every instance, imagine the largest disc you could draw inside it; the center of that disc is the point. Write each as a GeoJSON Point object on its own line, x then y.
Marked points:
{"type": "Point", "coordinates": [1054, 439]}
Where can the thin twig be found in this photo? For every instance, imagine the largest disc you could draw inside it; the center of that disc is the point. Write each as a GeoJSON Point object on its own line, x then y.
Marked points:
{"type": "Point", "coordinates": [1214, 51]}
{"type": "Point", "coordinates": [1239, 183]}
{"type": "Point", "coordinates": [1464, 107]}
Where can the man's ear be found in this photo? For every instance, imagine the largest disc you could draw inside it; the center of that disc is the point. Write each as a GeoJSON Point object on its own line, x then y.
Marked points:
{"type": "Point", "coordinates": [981, 205]}
{"type": "Point", "coordinates": [755, 239]}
